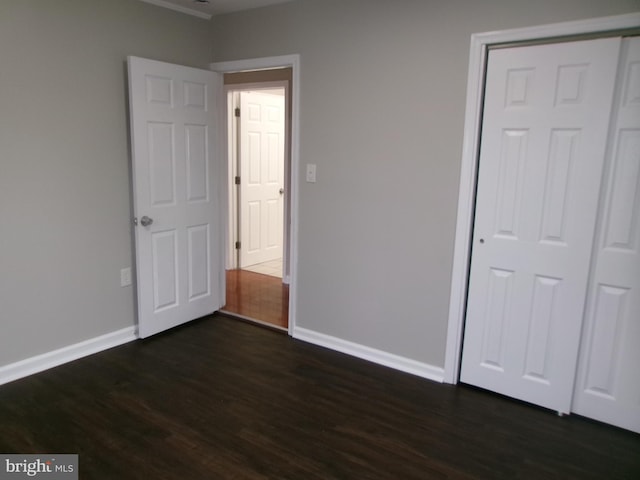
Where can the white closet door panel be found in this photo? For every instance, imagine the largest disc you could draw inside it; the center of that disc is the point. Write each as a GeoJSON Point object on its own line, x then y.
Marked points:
{"type": "Point", "coordinates": [546, 117]}
{"type": "Point", "coordinates": [608, 383]}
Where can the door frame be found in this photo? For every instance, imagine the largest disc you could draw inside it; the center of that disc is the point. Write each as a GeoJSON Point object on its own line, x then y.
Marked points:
{"type": "Point", "coordinates": [265, 63]}
{"type": "Point", "coordinates": [478, 51]}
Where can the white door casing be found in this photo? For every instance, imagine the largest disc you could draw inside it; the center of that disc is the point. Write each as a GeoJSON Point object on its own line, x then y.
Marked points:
{"type": "Point", "coordinates": [291, 178]}
{"type": "Point", "coordinates": [173, 112]}
{"type": "Point", "coordinates": [544, 128]}
{"type": "Point", "coordinates": [262, 144]}
{"type": "Point", "coordinates": [608, 381]}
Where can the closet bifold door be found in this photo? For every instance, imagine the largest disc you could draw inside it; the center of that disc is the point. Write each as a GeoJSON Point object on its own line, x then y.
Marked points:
{"type": "Point", "coordinates": [545, 124]}
{"type": "Point", "coordinates": [608, 380]}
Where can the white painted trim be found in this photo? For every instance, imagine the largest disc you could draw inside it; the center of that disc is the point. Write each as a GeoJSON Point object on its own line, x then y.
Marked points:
{"type": "Point", "coordinates": [231, 257]}
{"type": "Point", "coordinates": [265, 63]}
{"type": "Point", "coordinates": [179, 8]}
{"type": "Point", "coordinates": [480, 42]}
{"type": "Point", "coordinates": [48, 360]}
{"type": "Point", "coordinates": [396, 362]}
{"type": "Point", "coordinates": [262, 63]}
{"type": "Point", "coordinates": [257, 86]}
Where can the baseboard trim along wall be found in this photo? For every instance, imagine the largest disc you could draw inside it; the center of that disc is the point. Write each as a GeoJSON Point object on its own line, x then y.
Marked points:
{"type": "Point", "coordinates": [371, 354]}
{"type": "Point", "coordinates": [39, 363]}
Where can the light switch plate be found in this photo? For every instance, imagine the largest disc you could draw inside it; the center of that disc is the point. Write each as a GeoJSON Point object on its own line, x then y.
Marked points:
{"type": "Point", "coordinates": [125, 277]}
{"type": "Point", "coordinates": [311, 173]}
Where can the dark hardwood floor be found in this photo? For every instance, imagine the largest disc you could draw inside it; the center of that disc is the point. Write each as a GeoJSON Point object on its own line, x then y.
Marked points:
{"type": "Point", "coordinates": [222, 399]}
{"type": "Point", "coordinates": [257, 296]}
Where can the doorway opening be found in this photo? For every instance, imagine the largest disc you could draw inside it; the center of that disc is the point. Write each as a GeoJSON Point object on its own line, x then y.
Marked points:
{"type": "Point", "coordinates": [259, 173]}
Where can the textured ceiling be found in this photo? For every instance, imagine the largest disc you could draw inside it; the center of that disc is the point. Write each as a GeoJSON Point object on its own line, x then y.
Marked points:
{"type": "Point", "coordinates": [213, 7]}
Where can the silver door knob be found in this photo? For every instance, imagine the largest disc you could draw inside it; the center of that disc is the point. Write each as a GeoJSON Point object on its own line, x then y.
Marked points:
{"type": "Point", "coordinates": [146, 221]}
{"type": "Point", "coordinates": [282, 191]}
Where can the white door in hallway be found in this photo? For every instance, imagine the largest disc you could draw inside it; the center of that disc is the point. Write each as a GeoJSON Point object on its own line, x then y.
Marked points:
{"type": "Point", "coordinates": [261, 177]}
{"type": "Point", "coordinates": [176, 200]}
{"type": "Point", "coordinates": [608, 381]}
{"type": "Point", "coordinates": [545, 122]}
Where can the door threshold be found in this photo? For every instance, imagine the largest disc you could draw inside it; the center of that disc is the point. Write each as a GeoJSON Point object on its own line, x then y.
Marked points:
{"type": "Point", "coordinates": [254, 321]}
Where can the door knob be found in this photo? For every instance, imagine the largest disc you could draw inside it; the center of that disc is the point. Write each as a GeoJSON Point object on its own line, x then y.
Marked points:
{"type": "Point", "coordinates": [146, 221]}
{"type": "Point", "coordinates": [281, 191]}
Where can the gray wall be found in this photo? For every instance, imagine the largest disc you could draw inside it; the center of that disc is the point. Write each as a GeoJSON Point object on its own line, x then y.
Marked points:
{"type": "Point", "coordinates": [382, 117]}
{"type": "Point", "coordinates": [64, 162]}
{"type": "Point", "coordinates": [382, 113]}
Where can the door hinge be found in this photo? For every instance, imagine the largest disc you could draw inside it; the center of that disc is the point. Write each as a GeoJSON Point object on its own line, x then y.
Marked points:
{"type": "Point", "coordinates": [237, 245]}
{"type": "Point", "coordinates": [237, 179]}
{"type": "Point", "coordinates": [237, 112]}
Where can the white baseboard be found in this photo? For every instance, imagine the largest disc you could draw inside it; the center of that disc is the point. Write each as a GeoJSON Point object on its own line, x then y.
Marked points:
{"type": "Point", "coordinates": [39, 363]}
{"type": "Point", "coordinates": [371, 354]}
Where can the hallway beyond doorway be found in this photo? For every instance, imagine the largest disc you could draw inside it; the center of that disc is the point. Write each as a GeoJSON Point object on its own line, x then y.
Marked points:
{"type": "Point", "coordinates": [272, 268]}
{"type": "Point", "coordinates": [258, 297]}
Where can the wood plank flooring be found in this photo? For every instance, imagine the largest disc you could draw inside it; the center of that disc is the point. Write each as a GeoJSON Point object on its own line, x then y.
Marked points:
{"type": "Point", "coordinates": [257, 296]}
{"type": "Point", "coordinates": [223, 399]}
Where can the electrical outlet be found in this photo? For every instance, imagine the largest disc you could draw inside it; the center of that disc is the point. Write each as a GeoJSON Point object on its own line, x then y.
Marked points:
{"type": "Point", "coordinates": [125, 277]}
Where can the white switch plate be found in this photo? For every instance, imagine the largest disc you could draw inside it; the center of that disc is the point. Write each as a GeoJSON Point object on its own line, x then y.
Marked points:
{"type": "Point", "coordinates": [311, 173]}
{"type": "Point", "coordinates": [125, 277]}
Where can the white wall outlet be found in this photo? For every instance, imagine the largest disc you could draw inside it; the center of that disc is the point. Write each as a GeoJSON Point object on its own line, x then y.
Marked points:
{"type": "Point", "coordinates": [311, 173]}
{"type": "Point", "coordinates": [125, 277]}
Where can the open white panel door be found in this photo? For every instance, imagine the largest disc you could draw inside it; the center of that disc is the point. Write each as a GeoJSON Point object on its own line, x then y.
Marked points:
{"type": "Point", "coordinates": [545, 124]}
{"type": "Point", "coordinates": [262, 145]}
{"type": "Point", "coordinates": [176, 193]}
{"type": "Point", "coordinates": [608, 383]}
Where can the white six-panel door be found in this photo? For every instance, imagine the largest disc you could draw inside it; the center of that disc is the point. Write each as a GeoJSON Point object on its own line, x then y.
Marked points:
{"type": "Point", "coordinates": [608, 380]}
{"type": "Point", "coordinates": [545, 124]}
{"type": "Point", "coordinates": [261, 177]}
{"type": "Point", "coordinates": [176, 202]}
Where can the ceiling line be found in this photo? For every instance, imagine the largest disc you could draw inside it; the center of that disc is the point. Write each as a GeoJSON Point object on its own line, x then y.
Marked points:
{"type": "Point", "coordinates": [179, 8]}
